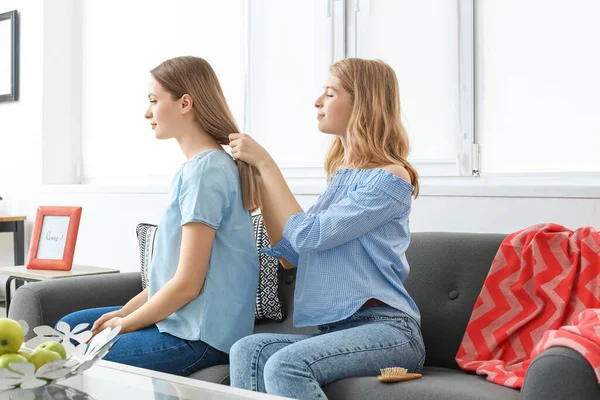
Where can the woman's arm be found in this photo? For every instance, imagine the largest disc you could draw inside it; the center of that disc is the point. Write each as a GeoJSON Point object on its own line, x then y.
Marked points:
{"type": "Point", "coordinates": [196, 244]}
{"type": "Point", "coordinates": [278, 202]}
{"type": "Point", "coordinates": [134, 303]}
{"type": "Point", "coordinates": [361, 211]}
{"type": "Point", "coordinates": [273, 216]}
{"type": "Point", "coordinates": [124, 311]}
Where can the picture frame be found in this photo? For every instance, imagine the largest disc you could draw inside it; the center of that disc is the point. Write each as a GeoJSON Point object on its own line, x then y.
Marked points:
{"type": "Point", "coordinates": [9, 56]}
{"type": "Point", "coordinates": [54, 237]}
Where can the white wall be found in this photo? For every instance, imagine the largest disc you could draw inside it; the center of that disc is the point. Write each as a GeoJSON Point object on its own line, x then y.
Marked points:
{"type": "Point", "coordinates": [21, 125]}
{"type": "Point", "coordinates": [117, 141]}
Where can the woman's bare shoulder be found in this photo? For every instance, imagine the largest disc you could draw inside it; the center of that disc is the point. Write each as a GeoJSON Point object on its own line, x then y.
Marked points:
{"type": "Point", "coordinates": [399, 171]}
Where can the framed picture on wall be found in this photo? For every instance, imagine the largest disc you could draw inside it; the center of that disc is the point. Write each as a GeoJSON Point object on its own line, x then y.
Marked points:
{"type": "Point", "coordinates": [9, 56]}
{"type": "Point", "coordinates": [54, 237]}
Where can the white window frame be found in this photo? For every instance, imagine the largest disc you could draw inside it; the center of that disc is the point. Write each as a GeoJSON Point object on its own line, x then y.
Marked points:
{"type": "Point", "coordinates": [345, 17]}
{"type": "Point", "coordinates": [466, 162]}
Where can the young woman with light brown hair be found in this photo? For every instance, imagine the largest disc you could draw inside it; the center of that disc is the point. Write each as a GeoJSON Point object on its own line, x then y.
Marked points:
{"type": "Point", "coordinates": [204, 271]}
{"type": "Point", "coordinates": [349, 247]}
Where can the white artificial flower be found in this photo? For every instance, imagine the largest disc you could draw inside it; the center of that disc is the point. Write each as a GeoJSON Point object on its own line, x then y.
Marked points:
{"type": "Point", "coordinates": [27, 379]}
{"type": "Point", "coordinates": [53, 370]}
{"type": "Point", "coordinates": [99, 342]}
{"type": "Point", "coordinates": [9, 379]}
{"type": "Point", "coordinates": [25, 376]}
{"type": "Point", "coordinates": [62, 334]}
{"type": "Point", "coordinates": [17, 394]}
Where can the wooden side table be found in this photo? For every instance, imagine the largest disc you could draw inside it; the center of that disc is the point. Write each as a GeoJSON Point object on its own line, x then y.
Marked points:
{"type": "Point", "coordinates": [21, 273]}
{"type": "Point", "coordinates": [16, 226]}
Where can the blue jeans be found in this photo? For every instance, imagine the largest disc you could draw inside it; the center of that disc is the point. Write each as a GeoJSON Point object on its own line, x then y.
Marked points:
{"type": "Point", "coordinates": [151, 349]}
{"type": "Point", "coordinates": [297, 365]}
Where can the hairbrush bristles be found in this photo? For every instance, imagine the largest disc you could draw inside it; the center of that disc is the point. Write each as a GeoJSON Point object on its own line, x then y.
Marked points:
{"type": "Point", "coordinates": [396, 374]}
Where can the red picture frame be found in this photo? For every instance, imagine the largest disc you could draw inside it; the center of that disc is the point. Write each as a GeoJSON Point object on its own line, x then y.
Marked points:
{"type": "Point", "coordinates": [54, 237]}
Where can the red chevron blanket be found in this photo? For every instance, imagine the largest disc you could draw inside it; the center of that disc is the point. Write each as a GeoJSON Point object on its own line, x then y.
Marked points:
{"type": "Point", "coordinates": [543, 290]}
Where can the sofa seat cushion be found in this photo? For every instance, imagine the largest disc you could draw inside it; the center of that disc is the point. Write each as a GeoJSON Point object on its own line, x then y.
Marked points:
{"type": "Point", "coordinates": [216, 374]}
{"type": "Point", "coordinates": [436, 384]}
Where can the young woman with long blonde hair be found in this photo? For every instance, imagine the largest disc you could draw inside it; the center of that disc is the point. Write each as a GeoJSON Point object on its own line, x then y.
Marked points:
{"type": "Point", "coordinates": [349, 247]}
{"type": "Point", "coordinates": [204, 272]}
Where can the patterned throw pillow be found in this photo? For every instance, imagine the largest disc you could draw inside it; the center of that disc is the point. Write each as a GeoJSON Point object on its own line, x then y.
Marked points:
{"type": "Point", "coordinates": [146, 233]}
{"type": "Point", "coordinates": [269, 302]}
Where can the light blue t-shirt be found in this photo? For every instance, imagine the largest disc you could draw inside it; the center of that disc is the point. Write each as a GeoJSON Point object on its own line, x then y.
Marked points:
{"type": "Point", "coordinates": [207, 189]}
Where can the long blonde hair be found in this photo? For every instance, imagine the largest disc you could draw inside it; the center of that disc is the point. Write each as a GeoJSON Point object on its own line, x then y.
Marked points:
{"type": "Point", "coordinates": [375, 134]}
{"type": "Point", "coordinates": [194, 76]}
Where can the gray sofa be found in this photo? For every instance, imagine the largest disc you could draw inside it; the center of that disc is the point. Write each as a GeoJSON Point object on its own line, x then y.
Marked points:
{"type": "Point", "coordinates": [447, 273]}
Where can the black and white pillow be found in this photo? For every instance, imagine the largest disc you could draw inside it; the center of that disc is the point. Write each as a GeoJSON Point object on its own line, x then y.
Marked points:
{"type": "Point", "coordinates": [269, 302]}
{"type": "Point", "coordinates": [146, 233]}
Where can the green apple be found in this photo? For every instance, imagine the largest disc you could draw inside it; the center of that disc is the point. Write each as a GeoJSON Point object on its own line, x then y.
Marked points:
{"type": "Point", "coordinates": [25, 354]}
{"type": "Point", "coordinates": [42, 356]}
{"type": "Point", "coordinates": [11, 336]}
{"type": "Point", "coordinates": [9, 358]}
{"type": "Point", "coordinates": [55, 347]}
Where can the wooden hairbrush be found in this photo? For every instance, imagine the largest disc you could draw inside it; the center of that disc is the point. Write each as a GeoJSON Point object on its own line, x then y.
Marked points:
{"type": "Point", "coordinates": [397, 374]}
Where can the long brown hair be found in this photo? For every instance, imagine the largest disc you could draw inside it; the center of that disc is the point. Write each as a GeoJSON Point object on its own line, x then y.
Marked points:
{"type": "Point", "coordinates": [194, 76]}
{"type": "Point", "coordinates": [375, 134]}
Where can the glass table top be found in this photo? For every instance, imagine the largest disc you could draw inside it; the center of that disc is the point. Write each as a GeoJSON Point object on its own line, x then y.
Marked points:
{"type": "Point", "coordinates": [112, 381]}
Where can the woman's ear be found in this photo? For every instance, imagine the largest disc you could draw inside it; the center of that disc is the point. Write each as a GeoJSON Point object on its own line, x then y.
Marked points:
{"type": "Point", "coordinates": [186, 103]}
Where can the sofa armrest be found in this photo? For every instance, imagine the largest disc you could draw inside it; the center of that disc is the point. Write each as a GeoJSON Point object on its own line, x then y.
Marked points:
{"type": "Point", "coordinates": [46, 302]}
{"type": "Point", "coordinates": [560, 373]}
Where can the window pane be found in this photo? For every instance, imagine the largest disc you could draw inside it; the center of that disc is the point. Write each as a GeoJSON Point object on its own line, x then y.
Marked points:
{"type": "Point", "coordinates": [419, 39]}
{"type": "Point", "coordinates": [539, 109]}
{"type": "Point", "coordinates": [122, 41]}
{"type": "Point", "coordinates": [288, 67]}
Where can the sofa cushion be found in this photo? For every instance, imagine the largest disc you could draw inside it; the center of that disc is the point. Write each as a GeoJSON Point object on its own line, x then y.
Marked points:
{"type": "Point", "coordinates": [216, 374]}
{"type": "Point", "coordinates": [447, 271]}
{"type": "Point", "coordinates": [269, 302]}
{"type": "Point", "coordinates": [146, 233]}
{"type": "Point", "coordinates": [436, 383]}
